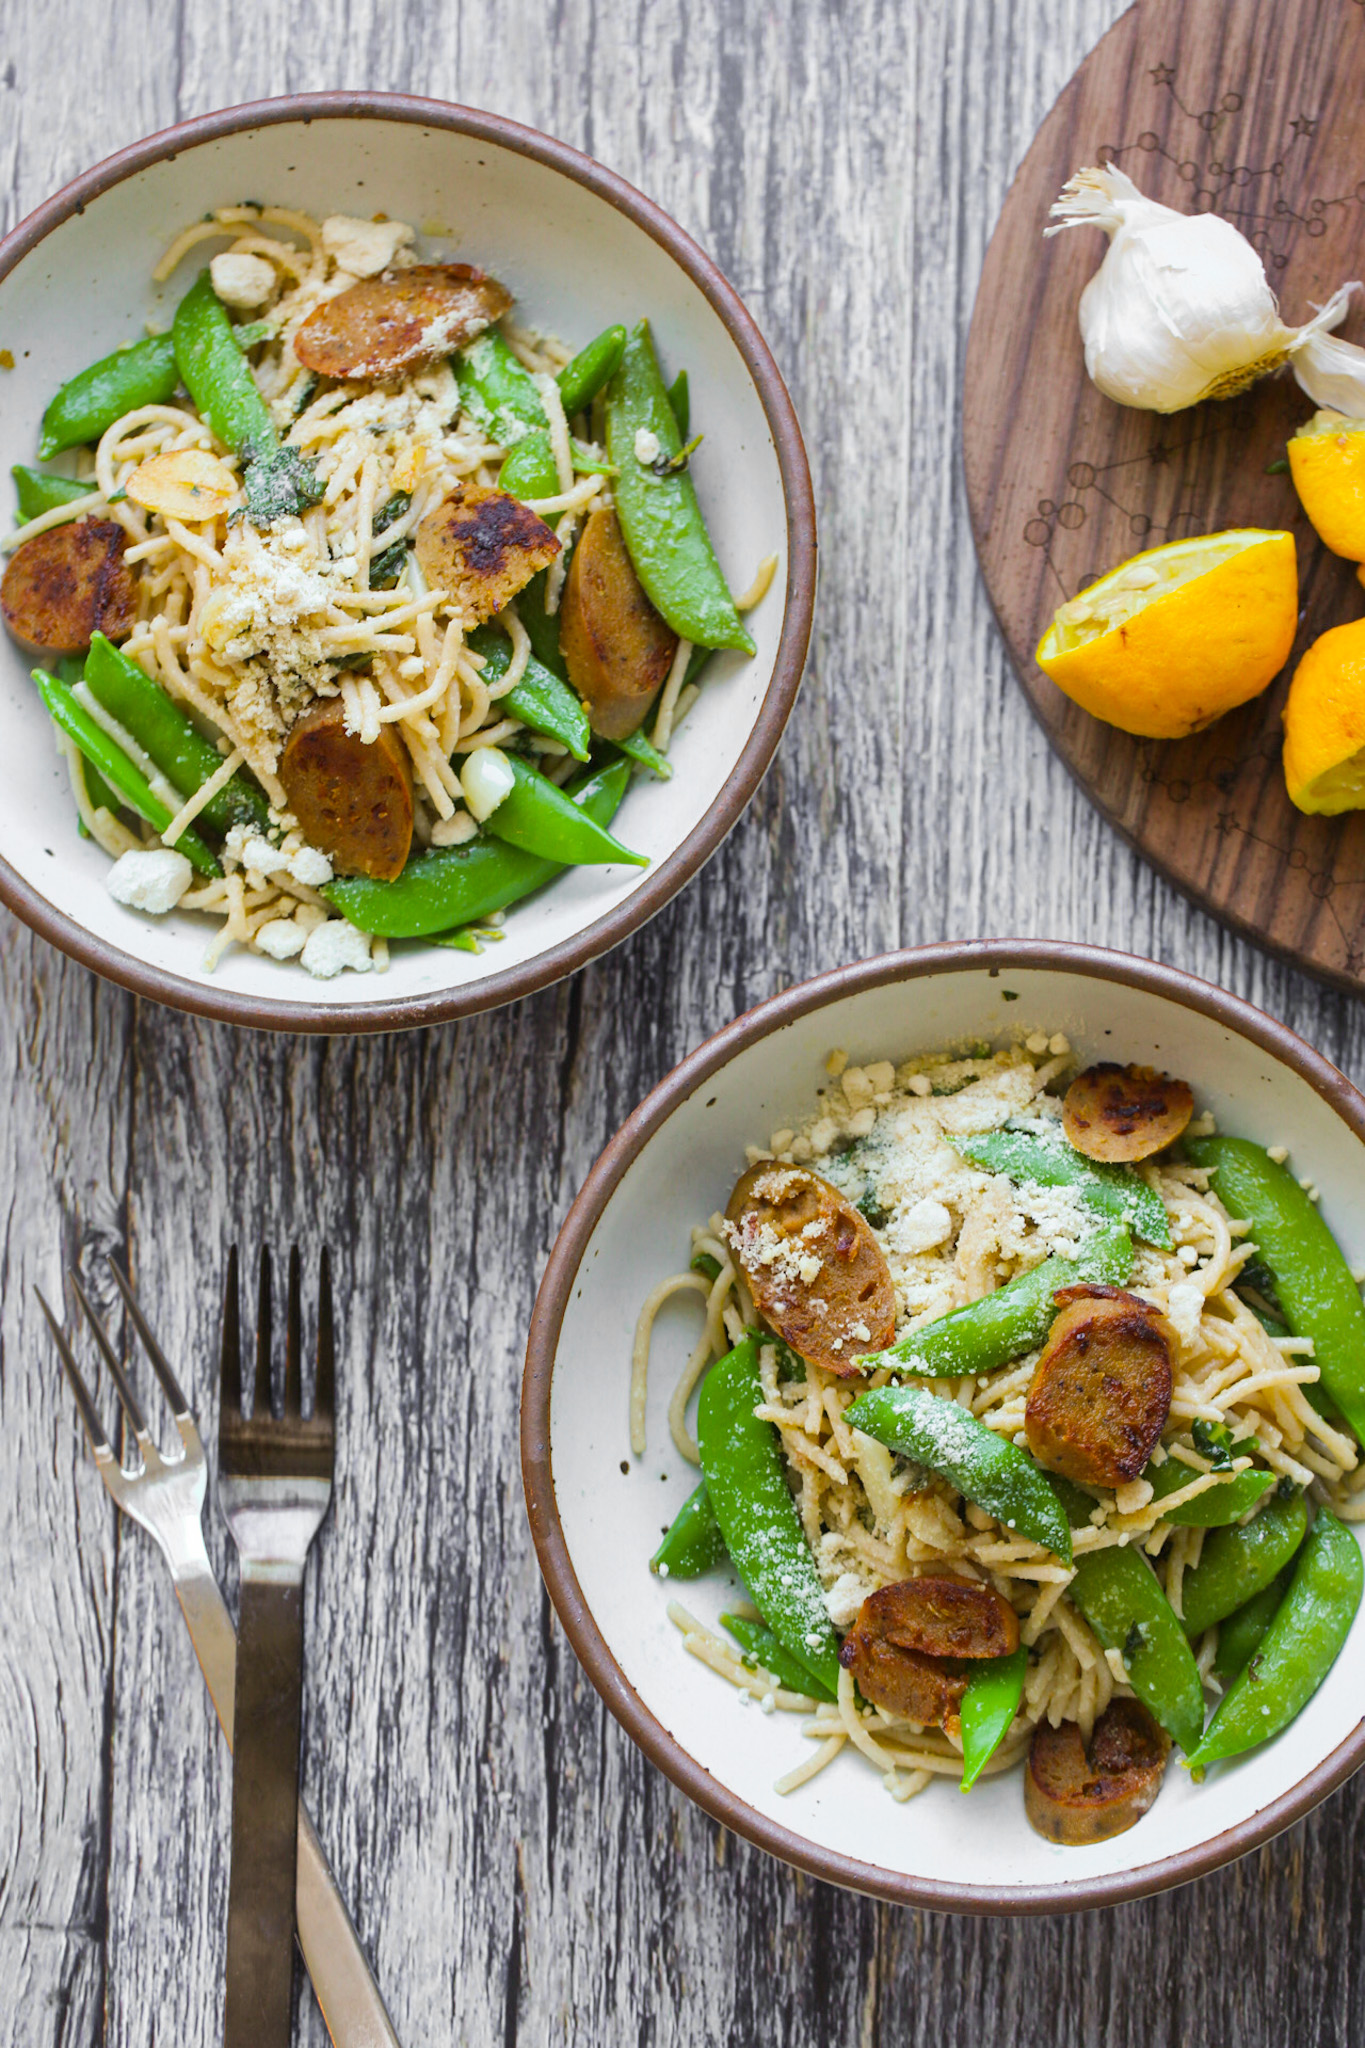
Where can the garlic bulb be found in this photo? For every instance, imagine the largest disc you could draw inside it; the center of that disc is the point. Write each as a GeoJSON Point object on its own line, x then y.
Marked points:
{"type": "Point", "coordinates": [1181, 309]}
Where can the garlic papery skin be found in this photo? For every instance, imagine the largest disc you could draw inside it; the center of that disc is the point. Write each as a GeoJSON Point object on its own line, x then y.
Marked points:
{"type": "Point", "coordinates": [1331, 371]}
{"type": "Point", "coordinates": [1181, 309]}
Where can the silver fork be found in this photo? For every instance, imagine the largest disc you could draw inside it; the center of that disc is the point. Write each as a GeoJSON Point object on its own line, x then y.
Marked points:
{"type": "Point", "coordinates": [166, 1496]}
{"type": "Point", "coordinates": [274, 1487]}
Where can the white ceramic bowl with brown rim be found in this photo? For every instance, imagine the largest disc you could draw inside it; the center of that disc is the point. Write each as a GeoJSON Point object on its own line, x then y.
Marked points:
{"type": "Point", "coordinates": [596, 1512]}
{"type": "Point", "coordinates": [580, 248]}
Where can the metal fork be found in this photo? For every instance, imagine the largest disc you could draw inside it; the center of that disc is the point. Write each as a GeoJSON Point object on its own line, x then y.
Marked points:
{"type": "Point", "coordinates": [166, 1496]}
{"type": "Point", "coordinates": [274, 1486]}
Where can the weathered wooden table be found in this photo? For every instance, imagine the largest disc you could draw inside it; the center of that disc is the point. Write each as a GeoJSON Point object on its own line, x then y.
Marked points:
{"type": "Point", "coordinates": [520, 1873]}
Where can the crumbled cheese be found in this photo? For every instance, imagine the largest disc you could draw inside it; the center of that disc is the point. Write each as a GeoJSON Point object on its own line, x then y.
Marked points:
{"type": "Point", "coordinates": [844, 1598]}
{"type": "Point", "coordinates": [822, 1134]}
{"type": "Point", "coordinates": [780, 1142]}
{"type": "Point", "coordinates": [456, 830]}
{"type": "Point", "coordinates": [259, 854]}
{"type": "Point", "coordinates": [282, 939]}
{"type": "Point", "coordinates": [1279, 1153]}
{"type": "Point", "coordinates": [363, 248]}
{"type": "Point", "coordinates": [154, 880]}
{"type": "Point", "coordinates": [646, 445]}
{"type": "Point", "coordinates": [311, 867]}
{"type": "Point", "coordinates": [1184, 1307]}
{"type": "Point", "coordinates": [1134, 1496]}
{"type": "Point", "coordinates": [1036, 1042]}
{"type": "Point", "coordinates": [920, 1227]}
{"type": "Point", "coordinates": [835, 1062]}
{"type": "Point", "coordinates": [334, 946]}
{"type": "Point", "coordinates": [862, 1121]}
{"type": "Point", "coordinates": [242, 280]}
{"type": "Point", "coordinates": [857, 1086]}
{"type": "Point", "coordinates": [882, 1076]}
{"type": "Point", "coordinates": [265, 618]}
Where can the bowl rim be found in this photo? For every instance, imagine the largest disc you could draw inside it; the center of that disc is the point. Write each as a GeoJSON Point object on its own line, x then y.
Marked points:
{"type": "Point", "coordinates": [672, 874]}
{"type": "Point", "coordinates": [995, 956]}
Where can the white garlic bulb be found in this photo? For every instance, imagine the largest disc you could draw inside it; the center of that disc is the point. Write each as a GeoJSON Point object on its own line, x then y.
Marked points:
{"type": "Point", "coordinates": [1181, 309]}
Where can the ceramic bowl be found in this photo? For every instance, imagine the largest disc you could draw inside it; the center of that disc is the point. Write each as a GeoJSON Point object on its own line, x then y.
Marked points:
{"type": "Point", "coordinates": [596, 1512]}
{"type": "Point", "coordinates": [579, 247]}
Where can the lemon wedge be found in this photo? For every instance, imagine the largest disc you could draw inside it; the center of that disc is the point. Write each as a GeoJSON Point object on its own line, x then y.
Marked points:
{"type": "Point", "coordinates": [1172, 639]}
{"type": "Point", "coordinates": [1324, 724]}
{"type": "Point", "coordinates": [1327, 463]}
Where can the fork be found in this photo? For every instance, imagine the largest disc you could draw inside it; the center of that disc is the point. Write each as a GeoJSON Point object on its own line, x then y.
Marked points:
{"type": "Point", "coordinates": [274, 1486]}
{"type": "Point", "coordinates": [165, 1495]}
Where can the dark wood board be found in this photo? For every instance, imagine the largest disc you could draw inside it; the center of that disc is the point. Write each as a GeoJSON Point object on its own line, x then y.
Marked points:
{"type": "Point", "coordinates": [1251, 109]}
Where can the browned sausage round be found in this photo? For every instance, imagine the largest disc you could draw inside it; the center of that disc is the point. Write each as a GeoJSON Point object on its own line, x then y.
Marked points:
{"type": "Point", "coordinates": [1101, 1391]}
{"type": "Point", "coordinates": [617, 648]}
{"type": "Point", "coordinates": [67, 583]}
{"type": "Point", "coordinates": [1121, 1114]}
{"type": "Point", "coordinates": [942, 1617]}
{"type": "Point", "coordinates": [386, 325]}
{"type": "Point", "coordinates": [814, 1268]}
{"type": "Point", "coordinates": [905, 1682]}
{"type": "Point", "coordinates": [1073, 1796]}
{"type": "Point", "coordinates": [481, 547]}
{"type": "Point", "coordinates": [352, 799]}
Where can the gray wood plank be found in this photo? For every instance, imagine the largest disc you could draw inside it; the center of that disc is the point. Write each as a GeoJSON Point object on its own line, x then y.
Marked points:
{"type": "Point", "coordinates": [521, 1873]}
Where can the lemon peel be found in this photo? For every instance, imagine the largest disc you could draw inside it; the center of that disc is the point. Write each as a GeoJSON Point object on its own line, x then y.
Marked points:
{"type": "Point", "coordinates": [1324, 724]}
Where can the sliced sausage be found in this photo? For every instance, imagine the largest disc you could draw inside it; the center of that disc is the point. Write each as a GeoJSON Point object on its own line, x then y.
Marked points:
{"type": "Point", "coordinates": [814, 1268]}
{"type": "Point", "coordinates": [353, 799]}
{"type": "Point", "coordinates": [1120, 1114]}
{"type": "Point", "coordinates": [67, 583]}
{"type": "Point", "coordinates": [385, 325]}
{"type": "Point", "coordinates": [1075, 1795]}
{"type": "Point", "coordinates": [617, 648]}
{"type": "Point", "coordinates": [943, 1617]}
{"type": "Point", "coordinates": [1101, 1391]}
{"type": "Point", "coordinates": [905, 1682]}
{"type": "Point", "coordinates": [481, 547]}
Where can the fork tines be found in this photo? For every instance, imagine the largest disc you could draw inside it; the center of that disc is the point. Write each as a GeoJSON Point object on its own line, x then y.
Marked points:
{"type": "Point", "coordinates": [132, 1410]}
{"type": "Point", "coordinates": [265, 1443]}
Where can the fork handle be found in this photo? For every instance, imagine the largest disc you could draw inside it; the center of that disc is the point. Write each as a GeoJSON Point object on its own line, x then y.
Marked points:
{"type": "Point", "coordinates": [265, 1804]}
{"type": "Point", "coordinates": [351, 2002]}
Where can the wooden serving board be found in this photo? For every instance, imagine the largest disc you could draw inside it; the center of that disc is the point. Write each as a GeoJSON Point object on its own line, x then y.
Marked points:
{"type": "Point", "coordinates": [1254, 109]}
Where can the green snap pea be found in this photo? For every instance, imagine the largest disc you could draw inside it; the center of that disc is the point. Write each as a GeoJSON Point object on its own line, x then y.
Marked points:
{"type": "Point", "coordinates": [759, 1645]}
{"type": "Point", "coordinates": [1050, 1162]}
{"type": "Point", "coordinates": [1297, 1650]}
{"type": "Point", "coordinates": [1239, 1561]}
{"type": "Point", "coordinates": [1235, 1495]}
{"type": "Point", "coordinates": [680, 403]}
{"type": "Point", "coordinates": [529, 469]}
{"type": "Point", "coordinates": [497, 392]}
{"type": "Point", "coordinates": [989, 1706]}
{"type": "Point", "coordinates": [216, 373]}
{"type": "Point", "coordinates": [692, 1542]}
{"type": "Point", "coordinates": [745, 1475]}
{"type": "Point", "coordinates": [581, 379]}
{"type": "Point", "coordinates": [1313, 1282]}
{"type": "Point", "coordinates": [540, 700]}
{"type": "Point", "coordinates": [39, 492]}
{"type": "Point", "coordinates": [1001, 1326]}
{"type": "Point", "coordinates": [542, 626]}
{"type": "Point", "coordinates": [87, 406]}
{"type": "Point", "coordinates": [645, 754]}
{"type": "Point", "coordinates": [661, 520]}
{"type": "Point", "coordinates": [162, 730]}
{"type": "Point", "coordinates": [985, 1467]}
{"type": "Point", "coordinates": [70, 670]}
{"type": "Point", "coordinates": [539, 818]}
{"type": "Point", "coordinates": [1240, 1635]}
{"type": "Point", "coordinates": [109, 761]}
{"type": "Point", "coordinates": [449, 886]}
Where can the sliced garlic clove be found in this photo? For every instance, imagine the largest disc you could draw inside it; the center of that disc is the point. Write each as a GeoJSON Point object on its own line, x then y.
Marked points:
{"type": "Point", "coordinates": [189, 484]}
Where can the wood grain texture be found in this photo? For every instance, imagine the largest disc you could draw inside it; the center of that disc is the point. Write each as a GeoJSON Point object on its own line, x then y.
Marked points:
{"type": "Point", "coordinates": [523, 1876]}
{"type": "Point", "coordinates": [1249, 110]}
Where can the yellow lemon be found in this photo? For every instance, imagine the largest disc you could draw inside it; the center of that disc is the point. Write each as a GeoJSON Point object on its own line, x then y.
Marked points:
{"type": "Point", "coordinates": [1327, 463]}
{"type": "Point", "coordinates": [1169, 641]}
{"type": "Point", "coordinates": [1324, 724]}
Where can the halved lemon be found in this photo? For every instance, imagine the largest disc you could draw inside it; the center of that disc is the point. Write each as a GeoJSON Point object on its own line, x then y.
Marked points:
{"type": "Point", "coordinates": [1324, 724]}
{"type": "Point", "coordinates": [1172, 639]}
{"type": "Point", "coordinates": [1327, 463]}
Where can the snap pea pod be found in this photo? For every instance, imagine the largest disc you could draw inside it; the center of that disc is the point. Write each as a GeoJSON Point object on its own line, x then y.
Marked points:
{"type": "Point", "coordinates": [1240, 1635]}
{"type": "Point", "coordinates": [216, 373]}
{"type": "Point", "coordinates": [497, 392]}
{"type": "Point", "coordinates": [692, 1542]}
{"type": "Point", "coordinates": [1297, 1650]}
{"type": "Point", "coordinates": [1001, 1326]}
{"type": "Point", "coordinates": [645, 754]}
{"type": "Point", "coordinates": [1234, 1496]}
{"type": "Point", "coordinates": [1240, 1561]}
{"type": "Point", "coordinates": [746, 1479]}
{"type": "Point", "coordinates": [109, 760]}
{"type": "Point", "coordinates": [69, 670]}
{"type": "Point", "coordinates": [1112, 1191]}
{"type": "Point", "coordinates": [680, 403]}
{"type": "Point", "coordinates": [661, 520]}
{"type": "Point", "coordinates": [542, 626]}
{"type": "Point", "coordinates": [89, 403]}
{"type": "Point", "coordinates": [540, 700]}
{"type": "Point", "coordinates": [529, 470]}
{"type": "Point", "coordinates": [985, 1467]}
{"type": "Point", "coordinates": [1313, 1282]}
{"type": "Point", "coordinates": [162, 730]}
{"type": "Point", "coordinates": [39, 492]}
{"type": "Point", "coordinates": [758, 1643]}
{"type": "Point", "coordinates": [989, 1706]}
{"type": "Point", "coordinates": [449, 886]}
{"type": "Point", "coordinates": [1118, 1593]}
{"type": "Point", "coordinates": [539, 818]}
{"type": "Point", "coordinates": [581, 379]}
